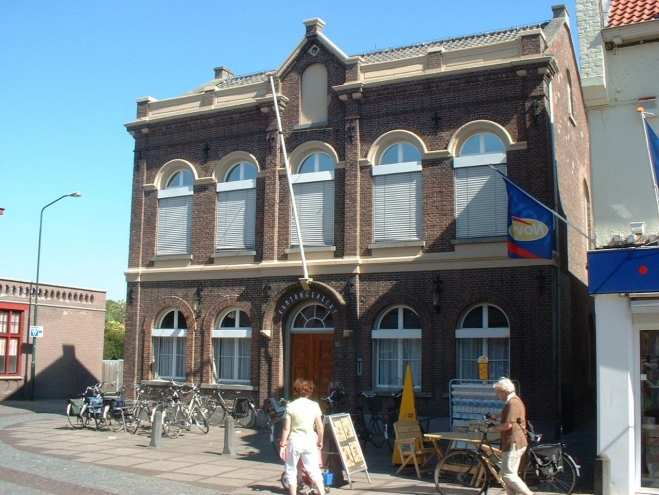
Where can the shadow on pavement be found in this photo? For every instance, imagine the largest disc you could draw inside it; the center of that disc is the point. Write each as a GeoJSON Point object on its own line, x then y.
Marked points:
{"type": "Point", "coordinates": [54, 406]}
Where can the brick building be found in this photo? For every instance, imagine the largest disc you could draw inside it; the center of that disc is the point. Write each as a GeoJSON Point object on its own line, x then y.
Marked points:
{"type": "Point", "coordinates": [404, 223]}
{"type": "Point", "coordinates": [70, 353]}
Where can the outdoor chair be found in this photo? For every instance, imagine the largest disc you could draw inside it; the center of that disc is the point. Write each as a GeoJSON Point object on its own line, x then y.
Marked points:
{"type": "Point", "coordinates": [411, 446]}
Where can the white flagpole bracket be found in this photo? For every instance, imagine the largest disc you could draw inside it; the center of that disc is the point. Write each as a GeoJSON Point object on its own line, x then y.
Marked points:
{"type": "Point", "coordinates": [304, 281]}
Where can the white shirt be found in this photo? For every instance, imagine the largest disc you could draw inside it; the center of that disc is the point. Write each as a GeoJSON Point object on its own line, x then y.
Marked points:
{"type": "Point", "coordinates": [303, 413]}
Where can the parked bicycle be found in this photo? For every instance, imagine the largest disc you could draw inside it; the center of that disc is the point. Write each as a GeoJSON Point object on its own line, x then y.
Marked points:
{"type": "Point", "coordinates": [378, 426]}
{"type": "Point", "coordinates": [549, 468]}
{"type": "Point", "coordinates": [93, 406]}
{"type": "Point", "coordinates": [241, 409]}
{"type": "Point", "coordinates": [179, 415]}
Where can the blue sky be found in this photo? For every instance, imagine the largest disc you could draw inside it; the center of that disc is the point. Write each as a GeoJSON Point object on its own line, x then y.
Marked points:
{"type": "Point", "coordinates": [71, 72]}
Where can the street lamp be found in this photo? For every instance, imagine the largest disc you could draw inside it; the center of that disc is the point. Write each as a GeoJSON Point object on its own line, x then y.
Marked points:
{"type": "Point", "coordinates": [36, 292]}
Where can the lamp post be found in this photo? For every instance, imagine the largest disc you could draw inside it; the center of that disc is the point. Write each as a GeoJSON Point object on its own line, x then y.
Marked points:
{"type": "Point", "coordinates": [36, 291]}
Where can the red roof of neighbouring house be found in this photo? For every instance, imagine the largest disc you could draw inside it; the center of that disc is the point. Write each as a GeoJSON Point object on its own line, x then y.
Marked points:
{"type": "Point", "coordinates": [624, 12]}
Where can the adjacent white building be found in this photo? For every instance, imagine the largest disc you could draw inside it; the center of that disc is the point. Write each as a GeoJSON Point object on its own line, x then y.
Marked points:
{"type": "Point", "coordinates": [619, 48]}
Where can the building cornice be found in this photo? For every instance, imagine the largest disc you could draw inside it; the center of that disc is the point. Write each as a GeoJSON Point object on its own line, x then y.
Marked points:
{"type": "Point", "coordinates": [631, 33]}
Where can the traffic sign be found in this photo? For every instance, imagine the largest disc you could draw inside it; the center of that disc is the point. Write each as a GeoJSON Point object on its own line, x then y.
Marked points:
{"type": "Point", "coordinates": [36, 331]}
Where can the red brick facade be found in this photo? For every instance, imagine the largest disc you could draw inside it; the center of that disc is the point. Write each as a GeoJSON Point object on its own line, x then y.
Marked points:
{"type": "Point", "coordinates": [514, 96]}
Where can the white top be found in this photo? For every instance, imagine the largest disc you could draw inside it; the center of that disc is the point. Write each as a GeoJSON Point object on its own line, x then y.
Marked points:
{"type": "Point", "coordinates": [303, 412]}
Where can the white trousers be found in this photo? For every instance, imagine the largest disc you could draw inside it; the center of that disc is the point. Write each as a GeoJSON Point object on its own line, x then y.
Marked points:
{"type": "Point", "coordinates": [510, 460]}
{"type": "Point", "coordinates": [303, 446]}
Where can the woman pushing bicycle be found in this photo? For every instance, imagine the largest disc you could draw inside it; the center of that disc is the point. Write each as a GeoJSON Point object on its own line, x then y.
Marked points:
{"type": "Point", "coordinates": [298, 438]}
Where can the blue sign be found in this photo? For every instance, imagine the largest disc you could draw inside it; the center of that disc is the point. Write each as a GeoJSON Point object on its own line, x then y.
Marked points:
{"type": "Point", "coordinates": [530, 225]}
{"type": "Point", "coordinates": [620, 271]}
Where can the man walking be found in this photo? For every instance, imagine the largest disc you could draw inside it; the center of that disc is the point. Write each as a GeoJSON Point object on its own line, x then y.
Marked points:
{"type": "Point", "coordinates": [513, 436]}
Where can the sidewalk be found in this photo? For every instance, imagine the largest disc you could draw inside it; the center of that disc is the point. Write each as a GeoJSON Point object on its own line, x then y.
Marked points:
{"type": "Point", "coordinates": [44, 455]}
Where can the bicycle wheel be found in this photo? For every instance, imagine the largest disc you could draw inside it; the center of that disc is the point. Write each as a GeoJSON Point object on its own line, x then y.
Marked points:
{"type": "Point", "coordinates": [200, 421]}
{"type": "Point", "coordinates": [376, 431]}
{"type": "Point", "coordinates": [139, 418]}
{"type": "Point", "coordinates": [461, 468]}
{"type": "Point", "coordinates": [117, 420]}
{"type": "Point", "coordinates": [389, 435]}
{"type": "Point", "coordinates": [243, 413]}
{"type": "Point", "coordinates": [546, 480]}
{"type": "Point", "coordinates": [75, 420]}
{"type": "Point", "coordinates": [171, 422]}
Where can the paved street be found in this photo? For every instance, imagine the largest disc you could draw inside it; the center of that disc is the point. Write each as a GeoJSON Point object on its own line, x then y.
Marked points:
{"type": "Point", "coordinates": [42, 454]}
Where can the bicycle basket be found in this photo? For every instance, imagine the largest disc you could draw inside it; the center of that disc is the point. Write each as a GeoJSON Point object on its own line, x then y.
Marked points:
{"type": "Point", "coordinates": [96, 402]}
{"type": "Point", "coordinates": [548, 455]}
{"type": "Point", "coordinates": [76, 406]}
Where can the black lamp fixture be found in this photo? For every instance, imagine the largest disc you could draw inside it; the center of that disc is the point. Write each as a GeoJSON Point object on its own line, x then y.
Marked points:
{"type": "Point", "coordinates": [437, 293]}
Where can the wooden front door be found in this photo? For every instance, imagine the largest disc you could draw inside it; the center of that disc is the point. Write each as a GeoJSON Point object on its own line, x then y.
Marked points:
{"type": "Point", "coordinates": [313, 358]}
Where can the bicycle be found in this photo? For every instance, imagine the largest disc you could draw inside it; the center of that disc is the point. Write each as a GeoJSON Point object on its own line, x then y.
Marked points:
{"type": "Point", "coordinates": [479, 468]}
{"type": "Point", "coordinates": [92, 406]}
{"type": "Point", "coordinates": [241, 409]}
{"type": "Point", "coordinates": [142, 412]}
{"type": "Point", "coordinates": [378, 429]}
{"type": "Point", "coordinates": [177, 415]}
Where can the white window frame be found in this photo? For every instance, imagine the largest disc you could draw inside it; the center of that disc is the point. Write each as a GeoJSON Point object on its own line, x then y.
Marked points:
{"type": "Point", "coordinates": [235, 334]}
{"type": "Point", "coordinates": [399, 334]}
{"type": "Point", "coordinates": [179, 171]}
{"type": "Point", "coordinates": [175, 332]}
{"type": "Point", "coordinates": [484, 334]}
{"type": "Point", "coordinates": [324, 329]}
{"type": "Point", "coordinates": [316, 162]}
{"type": "Point", "coordinates": [482, 158]}
{"type": "Point", "coordinates": [241, 171]}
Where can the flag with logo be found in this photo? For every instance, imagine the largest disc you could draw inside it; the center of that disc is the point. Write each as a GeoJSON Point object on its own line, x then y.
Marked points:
{"type": "Point", "coordinates": [530, 225]}
{"type": "Point", "coordinates": [653, 148]}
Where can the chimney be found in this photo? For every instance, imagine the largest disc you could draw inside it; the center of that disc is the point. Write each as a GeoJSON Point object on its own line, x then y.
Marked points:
{"type": "Point", "coordinates": [222, 73]}
{"type": "Point", "coordinates": [559, 10]}
{"type": "Point", "coordinates": [314, 26]}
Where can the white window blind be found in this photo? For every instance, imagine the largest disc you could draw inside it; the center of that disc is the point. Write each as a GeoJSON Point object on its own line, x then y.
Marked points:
{"type": "Point", "coordinates": [174, 225]}
{"type": "Point", "coordinates": [480, 202]}
{"type": "Point", "coordinates": [397, 207]}
{"type": "Point", "coordinates": [236, 214]}
{"type": "Point", "coordinates": [315, 208]}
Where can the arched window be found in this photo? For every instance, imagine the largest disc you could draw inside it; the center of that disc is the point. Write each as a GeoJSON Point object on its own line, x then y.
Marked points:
{"type": "Point", "coordinates": [313, 186]}
{"type": "Point", "coordinates": [169, 345]}
{"type": "Point", "coordinates": [313, 317]}
{"type": "Point", "coordinates": [396, 342]}
{"type": "Point", "coordinates": [483, 331]}
{"type": "Point", "coordinates": [232, 347]}
{"type": "Point", "coordinates": [481, 202]}
{"type": "Point", "coordinates": [313, 108]}
{"type": "Point", "coordinates": [236, 208]}
{"type": "Point", "coordinates": [398, 194]}
{"type": "Point", "coordinates": [175, 214]}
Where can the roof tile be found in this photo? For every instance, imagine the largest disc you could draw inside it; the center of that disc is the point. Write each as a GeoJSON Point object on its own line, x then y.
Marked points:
{"type": "Point", "coordinates": [623, 12]}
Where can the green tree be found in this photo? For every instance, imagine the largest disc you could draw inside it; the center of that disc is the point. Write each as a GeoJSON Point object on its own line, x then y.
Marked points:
{"type": "Point", "coordinates": [115, 329]}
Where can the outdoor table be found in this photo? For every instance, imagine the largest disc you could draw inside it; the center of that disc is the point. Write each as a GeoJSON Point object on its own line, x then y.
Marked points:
{"type": "Point", "coordinates": [451, 436]}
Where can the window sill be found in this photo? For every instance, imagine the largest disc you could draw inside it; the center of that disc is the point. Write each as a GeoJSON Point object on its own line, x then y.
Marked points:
{"type": "Point", "coordinates": [228, 386]}
{"type": "Point", "coordinates": [396, 244]}
{"type": "Point", "coordinates": [388, 392]}
{"type": "Point", "coordinates": [311, 249]}
{"type": "Point", "coordinates": [10, 377]}
{"type": "Point", "coordinates": [233, 256]}
{"type": "Point", "coordinates": [479, 240]}
{"type": "Point", "coordinates": [172, 257]}
{"type": "Point", "coordinates": [311, 125]}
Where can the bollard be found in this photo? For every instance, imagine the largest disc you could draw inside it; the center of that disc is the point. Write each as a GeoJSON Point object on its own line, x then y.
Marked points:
{"type": "Point", "coordinates": [156, 429]}
{"type": "Point", "coordinates": [229, 436]}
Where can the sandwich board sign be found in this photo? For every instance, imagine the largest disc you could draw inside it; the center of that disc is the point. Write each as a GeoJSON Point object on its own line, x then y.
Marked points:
{"type": "Point", "coordinates": [36, 331]}
{"type": "Point", "coordinates": [347, 443]}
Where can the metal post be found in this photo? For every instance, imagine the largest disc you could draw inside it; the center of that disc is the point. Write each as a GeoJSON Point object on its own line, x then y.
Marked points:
{"type": "Point", "coordinates": [33, 363]}
{"type": "Point", "coordinates": [229, 436]}
{"type": "Point", "coordinates": [156, 429]}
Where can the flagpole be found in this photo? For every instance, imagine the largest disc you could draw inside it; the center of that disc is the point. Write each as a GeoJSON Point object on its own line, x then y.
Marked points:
{"type": "Point", "coordinates": [554, 212]}
{"type": "Point", "coordinates": [296, 218]}
{"type": "Point", "coordinates": [643, 113]}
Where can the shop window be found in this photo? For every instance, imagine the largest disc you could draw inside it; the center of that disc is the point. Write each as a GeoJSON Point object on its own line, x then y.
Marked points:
{"type": "Point", "coordinates": [175, 214]}
{"type": "Point", "coordinates": [398, 194]}
{"type": "Point", "coordinates": [11, 324]}
{"type": "Point", "coordinates": [397, 343]}
{"type": "Point", "coordinates": [483, 331]}
{"type": "Point", "coordinates": [169, 346]}
{"type": "Point", "coordinates": [232, 348]}
{"type": "Point", "coordinates": [313, 186]}
{"type": "Point", "coordinates": [481, 201]}
{"type": "Point", "coordinates": [236, 208]}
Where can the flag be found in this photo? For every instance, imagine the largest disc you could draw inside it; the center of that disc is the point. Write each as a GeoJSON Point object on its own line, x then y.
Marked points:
{"type": "Point", "coordinates": [530, 225]}
{"type": "Point", "coordinates": [653, 149]}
